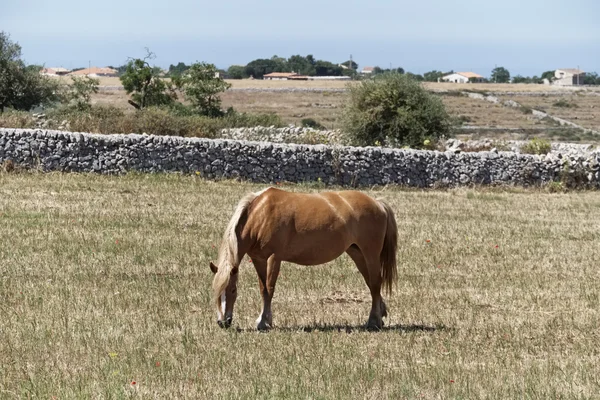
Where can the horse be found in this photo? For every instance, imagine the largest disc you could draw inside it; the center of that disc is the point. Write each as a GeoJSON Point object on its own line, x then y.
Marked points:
{"type": "Point", "coordinates": [274, 225]}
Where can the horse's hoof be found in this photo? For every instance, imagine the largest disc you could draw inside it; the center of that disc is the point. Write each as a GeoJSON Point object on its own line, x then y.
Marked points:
{"type": "Point", "coordinates": [263, 327]}
{"type": "Point", "coordinates": [224, 324]}
{"type": "Point", "coordinates": [374, 325]}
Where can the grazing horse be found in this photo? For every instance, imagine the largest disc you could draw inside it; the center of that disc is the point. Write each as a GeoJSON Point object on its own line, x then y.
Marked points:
{"type": "Point", "coordinates": [273, 225]}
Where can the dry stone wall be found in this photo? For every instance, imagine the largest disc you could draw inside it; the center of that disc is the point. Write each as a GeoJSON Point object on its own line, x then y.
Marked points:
{"type": "Point", "coordinates": [270, 162]}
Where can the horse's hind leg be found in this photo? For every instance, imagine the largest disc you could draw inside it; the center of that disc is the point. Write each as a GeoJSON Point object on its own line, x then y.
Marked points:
{"type": "Point", "coordinates": [378, 307]}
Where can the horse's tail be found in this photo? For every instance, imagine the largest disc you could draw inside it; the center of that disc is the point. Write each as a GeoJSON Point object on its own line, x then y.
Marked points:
{"type": "Point", "coordinates": [389, 272]}
{"type": "Point", "coordinates": [229, 257]}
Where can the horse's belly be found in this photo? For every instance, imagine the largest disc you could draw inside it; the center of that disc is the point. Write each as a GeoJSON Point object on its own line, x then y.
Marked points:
{"type": "Point", "coordinates": [317, 253]}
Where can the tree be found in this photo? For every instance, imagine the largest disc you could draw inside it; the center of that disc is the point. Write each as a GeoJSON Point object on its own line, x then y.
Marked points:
{"type": "Point", "coordinates": [521, 79]}
{"type": "Point", "coordinates": [178, 69]}
{"type": "Point", "coordinates": [591, 78]}
{"type": "Point", "coordinates": [350, 64]}
{"type": "Point", "coordinates": [500, 75]}
{"type": "Point", "coordinates": [144, 84]}
{"type": "Point", "coordinates": [396, 110]}
{"type": "Point", "coordinates": [326, 68]}
{"type": "Point", "coordinates": [378, 71]}
{"type": "Point", "coordinates": [260, 67]}
{"type": "Point", "coordinates": [548, 75]}
{"type": "Point", "coordinates": [79, 93]}
{"type": "Point", "coordinates": [201, 86]}
{"type": "Point", "coordinates": [302, 65]}
{"type": "Point", "coordinates": [21, 86]}
{"type": "Point", "coordinates": [433, 76]}
{"type": "Point", "coordinates": [416, 77]}
{"type": "Point", "coordinates": [236, 72]}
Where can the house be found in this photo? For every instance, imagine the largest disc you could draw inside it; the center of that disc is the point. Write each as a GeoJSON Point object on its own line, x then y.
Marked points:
{"type": "Point", "coordinates": [568, 77]}
{"type": "Point", "coordinates": [94, 72]}
{"type": "Point", "coordinates": [463, 77]}
{"type": "Point", "coordinates": [56, 71]}
{"type": "Point", "coordinates": [367, 70]}
{"type": "Point", "coordinates": [279, 76]}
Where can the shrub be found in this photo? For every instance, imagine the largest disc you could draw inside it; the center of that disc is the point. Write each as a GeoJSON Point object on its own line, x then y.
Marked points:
{"type": "Point", "coordinates": [536, 146]}
{"type": "Point", "coordinates": [16, 119]}
{"type": "Point", "coordinates": [564, 103]}
{"type": "Point", "coordinates": [394, 110]}
{"type": "Point", "coordinates": [176, 120]}
{"type": "Point", "coordinates": [311, 123]}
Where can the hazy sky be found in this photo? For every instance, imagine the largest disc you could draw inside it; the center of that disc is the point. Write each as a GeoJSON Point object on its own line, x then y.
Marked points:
{"type": "Point", "coordinates": [525, 36]}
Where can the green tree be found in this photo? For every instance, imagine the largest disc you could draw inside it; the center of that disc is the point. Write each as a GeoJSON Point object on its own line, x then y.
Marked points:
{"type": "Point", "coordinates": [21, 86]}
{"type": "Point", "coordinates": [202, 86]}
{"type": "Point", "coordinates": [394, 109]}
{"type": "Point", "coordinates": [144, 84]}
{"type": "Point", "coordinates": [548, 75]}
{"type": "Point", "coordinates": [236, 72]}
{"type": "Point", "coordinates": [302, 65]}
{"type": "Point", "coordinates": [433, 76]}
{"type": "Point", "coordinates": [260, 67]}
{"type": "Point", "coordinates": [350, 64]}
{"type": "Point", "coordinates": [416, 77]}
{"type": "Point", "coordinates": [326, 68]}
{"type": "Point", "coordinates": [591, 78]}
{"type": "Point", "coordinates": [79, 93]}
{"type": "Point", "coordinates": [500, 75]}
{"type": "Point", "coordinates": [178, 69]}
{"type": "Point", "coordinates": [521, 79]}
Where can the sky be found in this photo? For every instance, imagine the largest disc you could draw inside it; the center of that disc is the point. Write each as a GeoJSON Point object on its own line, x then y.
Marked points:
{"type": "Point", "coordinates": [525, 36]}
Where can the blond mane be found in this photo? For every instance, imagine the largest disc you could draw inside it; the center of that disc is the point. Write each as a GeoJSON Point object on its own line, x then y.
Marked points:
{"type": "Point", "coordinates": [228, 251]}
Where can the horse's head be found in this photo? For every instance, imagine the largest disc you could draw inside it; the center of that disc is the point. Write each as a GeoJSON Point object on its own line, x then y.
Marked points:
{"type": "Point", "coordinates": [225, 287]}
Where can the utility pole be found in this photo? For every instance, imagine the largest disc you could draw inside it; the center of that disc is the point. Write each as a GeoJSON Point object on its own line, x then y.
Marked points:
{"type": "Point", "coordinates": [351, 63]}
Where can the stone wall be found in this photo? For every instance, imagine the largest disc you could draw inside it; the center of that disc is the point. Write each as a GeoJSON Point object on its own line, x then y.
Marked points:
{"type": "Point", "coordinates": [270, 162]}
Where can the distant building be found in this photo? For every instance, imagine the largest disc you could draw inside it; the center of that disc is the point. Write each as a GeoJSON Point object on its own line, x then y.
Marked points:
{"type": "Point", "coordinates": [279, 76]}
{"type": "Point", "coordinates": [95, 72]}
{"type": "Point", "coordinates": [56, 71]}
{"type": "Point", "coordinates": [568, 77]}
{"type": "Point", "coordinates": [463, 77]}
{"type": "Point", "coordinates": [367, 70]}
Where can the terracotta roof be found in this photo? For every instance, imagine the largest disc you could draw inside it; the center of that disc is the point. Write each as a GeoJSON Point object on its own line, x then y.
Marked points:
{"type": "Point", "coordinates": [280, 74]}
{"type": "Point", "coordinates": [469, 74]}
{"type": "Point", "coordinates": [366, 69]}
{"type": "Point", "coordinates": [95, 71]}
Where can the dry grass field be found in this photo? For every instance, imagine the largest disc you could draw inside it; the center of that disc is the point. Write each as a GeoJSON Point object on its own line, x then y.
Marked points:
{"type": "Point", "coordinates": [105, 293]}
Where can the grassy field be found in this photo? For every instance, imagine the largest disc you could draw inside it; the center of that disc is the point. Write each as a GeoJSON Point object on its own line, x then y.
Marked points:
{"type": "Point", "coordinates": [105, 293]}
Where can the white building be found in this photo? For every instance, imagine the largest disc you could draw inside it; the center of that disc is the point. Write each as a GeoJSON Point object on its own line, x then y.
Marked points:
{"type": "Point", "coordinates": [568, 77]}
{"type": "Point", "coordinates": [57, 71]}
{"type": "Point", "coordinates": [462, 77]}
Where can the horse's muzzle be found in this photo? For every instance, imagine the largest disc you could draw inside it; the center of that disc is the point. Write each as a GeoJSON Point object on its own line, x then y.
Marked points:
{"type": "Point", "coordinates": [225, 324]}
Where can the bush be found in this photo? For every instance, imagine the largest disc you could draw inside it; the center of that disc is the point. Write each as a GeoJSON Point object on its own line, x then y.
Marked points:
{"type": "Point", "coordinates": [564, 103]}
{"type": "Point", "coordinates": [175, 120]}
{"type": "Point", "coordinates": [394, 110]}
{"type": "Point", "coordinates": [311, 123]}
{"type": "Point", "coordinates": [16, 119]}
{"type": "Point", "coordinates": [536, 146]}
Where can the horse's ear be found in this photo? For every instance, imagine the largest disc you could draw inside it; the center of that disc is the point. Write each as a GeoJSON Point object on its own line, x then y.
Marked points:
{"type": "Point", "coordinates": [213, 268]}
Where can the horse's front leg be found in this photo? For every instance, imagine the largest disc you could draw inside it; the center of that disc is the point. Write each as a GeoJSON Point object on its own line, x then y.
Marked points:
{"type": "Point", "coordinates": [267, 277]}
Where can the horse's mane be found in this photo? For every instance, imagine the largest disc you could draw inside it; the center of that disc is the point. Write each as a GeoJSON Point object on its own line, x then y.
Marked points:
{"type": "Point", "coordinates": [228, 251]}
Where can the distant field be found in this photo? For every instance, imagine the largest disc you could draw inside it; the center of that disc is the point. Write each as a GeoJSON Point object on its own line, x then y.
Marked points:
{"type": "Point", "coordinates": [267, 84]}
{"type": "Point", "coordinates": [105, 293]}
{"type": "Point", "coordinates": [326, 106]}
